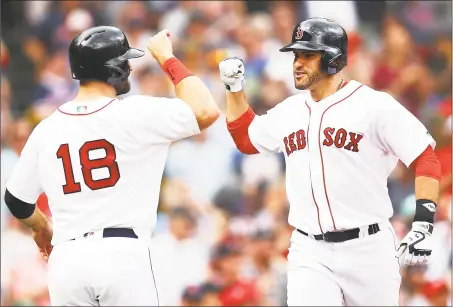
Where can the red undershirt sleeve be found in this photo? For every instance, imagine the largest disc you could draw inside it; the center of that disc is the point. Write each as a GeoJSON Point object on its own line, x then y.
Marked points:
{"type": "Point", "coordinates": [239, 132]}
{"type": "Point", "coordinates": [427, 164]}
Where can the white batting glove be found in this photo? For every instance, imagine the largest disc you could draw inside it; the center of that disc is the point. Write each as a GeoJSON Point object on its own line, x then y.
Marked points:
{"type": "Point", "coordinates": [416, 246]}
{"type": "Point", "coordinates": [232, 74]}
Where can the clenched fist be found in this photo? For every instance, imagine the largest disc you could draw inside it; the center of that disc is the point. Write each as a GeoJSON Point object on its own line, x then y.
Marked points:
{"type": "Point", "coordinates": [232, 74]}
{"type": "Point", "coordinates": [160, 46]}
{"type": "Point", "coordinates": [416, 247]}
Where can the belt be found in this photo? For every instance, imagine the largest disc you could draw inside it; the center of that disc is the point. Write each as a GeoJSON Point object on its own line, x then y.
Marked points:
{"type": "Point", "coordinates": [342, 236]}
{"type": "Point", "coordinates": [112, 233]}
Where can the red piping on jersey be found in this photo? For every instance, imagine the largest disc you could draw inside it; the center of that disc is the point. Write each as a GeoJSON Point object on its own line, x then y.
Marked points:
{"type": "Point", "coordinates": [320, 152]}
{"type": "Point", "coordinates": [311, 184]}
{"type": "Point", "coordinates": [87, 113]}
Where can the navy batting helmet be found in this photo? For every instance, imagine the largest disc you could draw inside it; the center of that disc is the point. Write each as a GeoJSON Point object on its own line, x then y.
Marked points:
{"type": "Point", "coordinates": [322, 34]}
{"type": "Point", "coordinates": [101, 53]}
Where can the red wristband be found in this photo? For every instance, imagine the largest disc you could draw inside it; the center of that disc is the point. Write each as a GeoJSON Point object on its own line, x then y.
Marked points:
{"type": "Point", "coordinates": [176, 70]}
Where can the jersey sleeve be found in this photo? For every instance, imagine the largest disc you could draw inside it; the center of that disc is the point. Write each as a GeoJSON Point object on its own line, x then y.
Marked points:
{"type": "Point", "coordinates": [170, 119]}
{"type": "Point", "coordinates": [263, 132]}
{"type": "Point", "coordinates": [400, 132]}
{"type": "Point", "coordinates": [24, 181]}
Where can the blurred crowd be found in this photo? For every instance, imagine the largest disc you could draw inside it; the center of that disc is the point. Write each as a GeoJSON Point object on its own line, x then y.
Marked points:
{"type": "Point", "coordinates": [222, 234]}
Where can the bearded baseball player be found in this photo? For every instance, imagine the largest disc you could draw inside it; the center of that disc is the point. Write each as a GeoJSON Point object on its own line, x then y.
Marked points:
{"type": "Point", "coordinates": [341, 140]}
{"type": "Point", "coordinates": [100, 161]}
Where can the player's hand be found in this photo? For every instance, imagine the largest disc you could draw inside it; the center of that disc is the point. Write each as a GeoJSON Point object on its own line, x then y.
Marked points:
{"type": "Point", "coordinates": [160, 46]}
{"type": "Point", "coordinates": [232, 72]}
{"type": "Point", "coordinates": [416, 248]}
{"type": "Point", "coordinates": [42, 238]}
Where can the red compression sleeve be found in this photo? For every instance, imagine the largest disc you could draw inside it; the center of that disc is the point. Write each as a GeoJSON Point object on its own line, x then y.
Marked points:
{"type": "Point", "coordinates": [176, 70]}
{"type": "Point", "coordinates": [427, 164]}
{"type": "Point", "coordinates": [240, 134]}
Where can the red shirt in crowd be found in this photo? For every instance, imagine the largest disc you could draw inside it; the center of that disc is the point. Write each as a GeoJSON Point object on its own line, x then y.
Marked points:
{"type": "Point", "coordinates": [384, 77]}
{"type": "Point", "coordinates": [240, 293]}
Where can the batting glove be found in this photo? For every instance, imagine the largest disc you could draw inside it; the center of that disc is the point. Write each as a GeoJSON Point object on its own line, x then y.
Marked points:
{"type": "Point", "coordinates": [416, 247]}
{"type": "Point", "coordinates": [232, 74]}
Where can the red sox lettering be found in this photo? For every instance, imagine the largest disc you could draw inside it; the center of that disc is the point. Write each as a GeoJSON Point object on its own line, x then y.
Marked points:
{"type": "Point", "coordinates": [335, 186]}
{"type": "Point", "coordinates": [295, 141]}
{"type": "Point", "coordinates": [340, 138]}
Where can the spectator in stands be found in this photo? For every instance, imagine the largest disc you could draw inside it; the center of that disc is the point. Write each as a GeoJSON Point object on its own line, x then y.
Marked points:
{"type": "Point", "coordinates": [210, 294]}
{"type": "Point", "coordinates": [191, 296]}
{"type": "Point", "coordinates": [399, 70]}
{"type": "Point", "coordinates": [439, 61]}
{"type": "Point", "coordinates": [226, 266]}
{"type": "Point", "coordinates": [192, 162]}
{"type": "Point", "coordinates": [50, 33]}
{"type": "Point", "coordinates": [343, 12]}
{"type": "Point", "coordinates": [423, 19]}
{"type": "Point", "coordinates": [361, 63]}
{"type": "Point", "coordinates": [205, 294]}
{"type": "Point", "coordinates": [150, 81]}
{"type": "Point", "coordinates": [273, 215]}
{"type": "Point", "coordinates": [133, 20]}
{"type": "Point", "coordinates": [280, 64]}
{"type": "Point", "coordinates": [55, 85]}
{"type": "Point", "coordinates": [178, 18]}
{"type": "Point", "coordinates": [75, 22]}
{"type": "Point", "coordinates": [268, 268]}
{"type": "Point", "coordinates": [251, 36]}
{"type": "Point", "coordinates": [178, 253]}
{"type": "Point", "coordinates": [194, 42]}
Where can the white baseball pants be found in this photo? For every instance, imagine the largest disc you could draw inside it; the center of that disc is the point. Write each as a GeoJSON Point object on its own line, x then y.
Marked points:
{"type": "Point", "coordinates": [358, 272]}
{"type": "Point", "coordinates": [97, 271]}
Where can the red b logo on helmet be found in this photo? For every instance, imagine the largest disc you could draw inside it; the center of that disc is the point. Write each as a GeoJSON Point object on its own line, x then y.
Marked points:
{"type": "Point", "coordinates": [299, 33]}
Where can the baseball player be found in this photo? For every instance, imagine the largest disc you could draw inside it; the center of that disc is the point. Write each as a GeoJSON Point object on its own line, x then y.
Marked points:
{"type": "Point", "coordinates": [100, 160]}
{"type": "Point", "coordinates": [341, 140]}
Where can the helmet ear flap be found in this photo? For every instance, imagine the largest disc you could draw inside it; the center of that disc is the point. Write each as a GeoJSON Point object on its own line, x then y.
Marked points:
{"type": "Point", "coordinates": [118, 70]}
{"type": "Point", "coordinates": [333, 62]}
{"type": "Point", "coordinates": [115, 72]}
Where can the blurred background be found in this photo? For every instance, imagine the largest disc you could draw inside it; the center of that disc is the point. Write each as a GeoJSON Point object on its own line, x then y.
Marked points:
{"type": "Point", "coordinates": [222, 232]}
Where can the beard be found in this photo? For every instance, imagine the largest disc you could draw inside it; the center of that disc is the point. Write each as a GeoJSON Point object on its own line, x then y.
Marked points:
{"type": "Point", "coordinates": [308, 80]}
{"type": "Point", "coordinates": [123, 87]}
{"type": "Point", "coordinates": [121, 82]}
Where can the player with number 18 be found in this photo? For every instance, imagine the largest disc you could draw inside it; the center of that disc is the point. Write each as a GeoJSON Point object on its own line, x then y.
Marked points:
{"type": "Point", "coordinates": [100, 161]}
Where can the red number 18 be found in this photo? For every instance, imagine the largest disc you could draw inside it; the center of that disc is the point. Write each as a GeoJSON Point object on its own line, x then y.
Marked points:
{"type": "Point", "coordinates": [87, 165]}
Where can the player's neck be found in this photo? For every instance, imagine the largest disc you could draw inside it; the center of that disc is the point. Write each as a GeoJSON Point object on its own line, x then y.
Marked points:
{"type": "Point", "coordinates": [94, 90]}
{"type": "Point", "coordinates": [326, 87]}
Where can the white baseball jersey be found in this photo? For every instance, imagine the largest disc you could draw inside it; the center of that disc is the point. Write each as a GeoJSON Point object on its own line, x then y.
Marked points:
{"type": "Point", "coordinates": [101, 163]}
{"type": "Point", "coordinates": [339, 153]}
